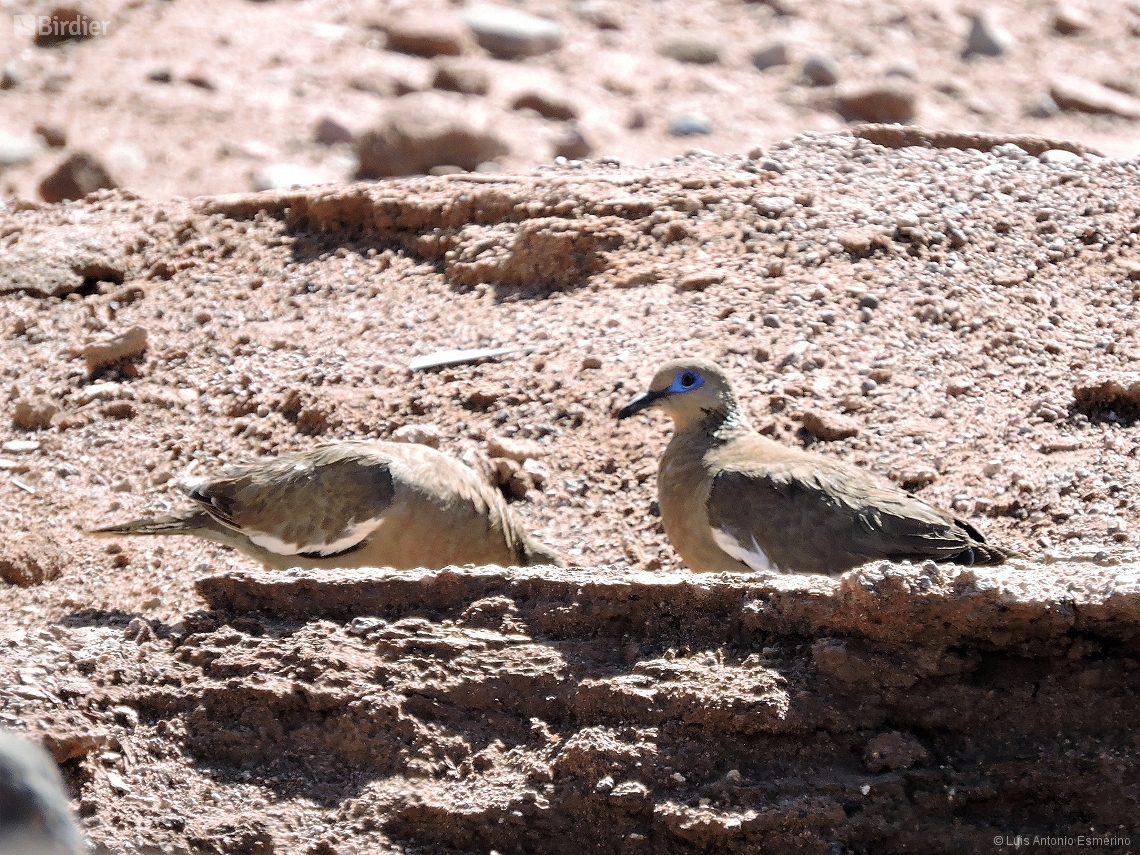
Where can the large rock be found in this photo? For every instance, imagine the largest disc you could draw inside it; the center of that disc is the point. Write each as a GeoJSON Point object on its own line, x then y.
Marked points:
{"type": "Point", "coordinates": [880, 103]}
{"type": "Point", "coordinates": [427, 129]}
{"type": "Point", "coordinates": [510, 33]}
{"type": "Point", "coordinates": [79, 174]}
{"type": "Point", "coordinates": [1085, 96]}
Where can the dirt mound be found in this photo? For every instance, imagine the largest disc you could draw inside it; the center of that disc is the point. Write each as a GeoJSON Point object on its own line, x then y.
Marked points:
{"type": "Point", "coordinates": [970, 314]}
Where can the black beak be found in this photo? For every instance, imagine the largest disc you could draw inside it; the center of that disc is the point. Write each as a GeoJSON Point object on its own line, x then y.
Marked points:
{"type": "Point", "coordinates": [641, 402]}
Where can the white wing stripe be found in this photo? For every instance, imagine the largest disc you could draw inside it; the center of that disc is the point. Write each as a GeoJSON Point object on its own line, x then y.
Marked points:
{"type": "Point", "coordinates": [755, 557]}
{"type": "Point", "coordinates": [350, 538]}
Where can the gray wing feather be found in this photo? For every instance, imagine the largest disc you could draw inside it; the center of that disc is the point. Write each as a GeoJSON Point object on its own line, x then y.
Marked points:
{"type": "Point", "coordinates": [305, 500]}
{"type": "Point", "coordinates": [823, 520]}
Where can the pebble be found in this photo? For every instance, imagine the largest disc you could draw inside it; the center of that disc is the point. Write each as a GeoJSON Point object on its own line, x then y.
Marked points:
{"type": "Point", "coordinates": [1043, 108]}
{"type": "Point", "coordinates": [1070, 21]}
{"type": "Point", "coordinates": [987, 37]}
{"type": "Point", "coordinates": [572, 144]}
{"type": "Point", "coordinates": [510, 33]}
{"type": "Point", "coordinates": [829, 426]}
{"type": "Point", "coordinates": [1085, 96]}
{"type": "Point", "coordinates": [690, 49]}
{"type": "Point", "coordinates": [330, 132]}
{"type": "Point", "coordinates": [1059, 156]}
{"type": "Point", "coordinates": [128, 345]}
{"type": "Point", "coordinates": [76, 176]}
{"type": "Point", "coordinates": [699, 280]}
{"type": "Point", "coordinates": [67, 19]}
{"type": "Point", "coordinates": [11, 76]}
{"type": "Point", "coordinates": [821, 70]}
{"type": "Point", "coordinates": [772, 321]}
{"type": "Point", "coordinates": [519, 450]}
{"type": "Point", "coordinates": [773, 206]}
{"type": "Point", "coordinates": [20, 446]}
{"type": "Point", "coordinates": [857, 241]}
{"type": "Point", "coordinates": [690, 124]}
{"type": "Point", "coordinates": [160, 75]}
{"type": "Point", "coordinates": [33, 413]}
{"type": "Point", "coordinates": [956, 386]}
{"type": "Point", "coordinates": [15, 150]}
{"type": "Point", "coordinates": [869, 301]}
{"type": "Point", "coordinates": [362, 626]}
{"type": "Point", "coordinates": [428, 435]}
{"type": "Point", "coordinates": [883, 103]}
{"type": "Point", "coordinates": [546, 105]}
{"type": "Point", "coordinates": [53, 135]}
{"type": "Point", "coordinates": [591, 363]}
{"type": "Point", "coordinates": [423, 130]}
{"type": "Point", "coordinates": [282, 176]}
{"type": "Point", "coordinates": [771, 56]}
{"type": "Point", "coordinates": [427, 35]}
{"type": "Point", "coordinates": [461, 75]}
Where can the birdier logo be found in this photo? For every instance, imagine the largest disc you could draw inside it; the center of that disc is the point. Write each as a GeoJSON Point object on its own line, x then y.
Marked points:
{"type": "Point", "coordinates": [57, 28]}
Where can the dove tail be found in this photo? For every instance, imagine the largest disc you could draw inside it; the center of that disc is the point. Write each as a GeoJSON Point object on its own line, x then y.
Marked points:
{"type": "Point", "coordinates": [195, 522]}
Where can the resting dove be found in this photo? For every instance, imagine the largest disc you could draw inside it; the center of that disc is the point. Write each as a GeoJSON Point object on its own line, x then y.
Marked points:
{"type": "Point", "coordinates": [355, 504]}
{"type": "Point", "coordinates": [733, 500]}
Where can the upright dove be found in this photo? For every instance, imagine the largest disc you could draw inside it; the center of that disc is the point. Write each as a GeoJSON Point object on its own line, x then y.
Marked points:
{"type": "Point", "coordinates": [355, 504]}
{"type": "Point", "coordinates": [733, 500]}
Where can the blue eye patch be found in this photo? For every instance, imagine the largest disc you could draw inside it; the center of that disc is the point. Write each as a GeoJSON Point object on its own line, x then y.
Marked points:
{"type": "Point", "coordinates": [686, 381]}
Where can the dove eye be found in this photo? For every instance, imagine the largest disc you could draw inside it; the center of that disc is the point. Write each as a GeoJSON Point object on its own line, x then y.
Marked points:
{"type": "Point", "coordinates": [686, 381]}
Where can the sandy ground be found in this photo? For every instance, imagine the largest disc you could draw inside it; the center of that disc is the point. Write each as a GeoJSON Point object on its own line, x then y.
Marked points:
{"type": "Point", "coordinates": [968, 317]}
{"type": "Point", "coordinates": [193, 97]}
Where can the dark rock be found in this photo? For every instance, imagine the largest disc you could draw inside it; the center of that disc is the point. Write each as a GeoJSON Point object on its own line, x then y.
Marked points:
{"type": "Point", "coordinates": [53, 135]}
{"type": "Point", "coordinates": [772, 55]}
{"type": "Point", "coordinates": [882, 103]}
{"type": "Point", "coordinates": [78, 175]}
{"type": "Point", "coordinates": [330, 131]}
{"type": "Point", "coordinates": [987, 37]}
{"type": "Point", "coordinates": [572, 144]}
{"type": "Point", "coordinates": [547, 106]}
{"type": "Point", "coordinates": [67, 24]}
{"type": "Point", "coordinates": [821, 71]}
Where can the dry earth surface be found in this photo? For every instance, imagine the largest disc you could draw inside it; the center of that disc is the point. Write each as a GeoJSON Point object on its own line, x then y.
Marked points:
{"type": "Point", "coordinates": [192, 96]}
{"type": "Point", "coordinates": [962, 320]}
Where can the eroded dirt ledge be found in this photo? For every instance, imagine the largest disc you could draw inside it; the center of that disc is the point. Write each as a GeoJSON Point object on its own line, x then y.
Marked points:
{"type": "Point", "coordinates": [609, 710]}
